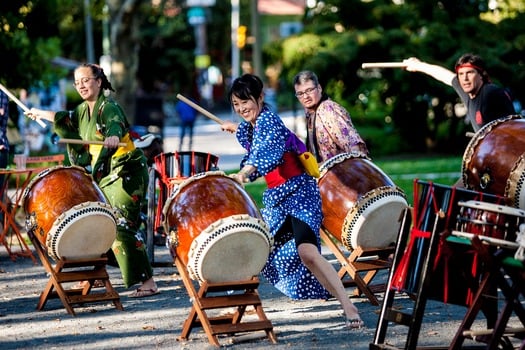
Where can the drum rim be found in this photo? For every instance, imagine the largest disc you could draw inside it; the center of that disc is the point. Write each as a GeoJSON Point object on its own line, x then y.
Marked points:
{"type": "Point", "coordinates": [476, 139]}
{"type": "Point", "coordinates": [218, 230]}
{"type": "Point", "coordinates": [64, 220]}
{"type": "Point", "coordinates": [339, 158]}
{"type": "Point", "coordinates": [492, 207]}
{"type": "Point", "coordinates": [348, 235]}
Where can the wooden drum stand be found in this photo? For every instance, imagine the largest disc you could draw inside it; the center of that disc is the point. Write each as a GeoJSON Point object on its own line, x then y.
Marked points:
{"type": "Point", "coordinates": [68, 271]}
{"type": "Point", "coordinates": [361, 266]}
{"type": "Point", "coordinates": [215, 296]}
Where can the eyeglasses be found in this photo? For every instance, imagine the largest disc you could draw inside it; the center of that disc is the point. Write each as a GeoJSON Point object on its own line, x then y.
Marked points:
{"type": "Point", "coordinates": [300, 94]}
{"type": "Point", "coordinates": [83, 81]}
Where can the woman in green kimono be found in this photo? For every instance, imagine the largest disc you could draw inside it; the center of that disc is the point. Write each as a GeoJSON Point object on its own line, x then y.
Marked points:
{"type": "Point", "coordinates": [120, 171]}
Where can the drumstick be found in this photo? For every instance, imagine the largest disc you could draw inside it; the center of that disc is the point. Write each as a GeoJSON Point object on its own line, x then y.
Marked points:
{"type": "Point", "coordinates": [383, 65]}
{"type": "Point", "coordinates": [200, 109]}
{"type": "Point", "coordinates": [20, 104]}
{"type": "Point", "coordinates": [84, 142]}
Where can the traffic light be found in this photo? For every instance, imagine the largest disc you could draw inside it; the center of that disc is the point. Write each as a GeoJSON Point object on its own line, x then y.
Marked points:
{"type": "Point", "coordinates": [241, 36]}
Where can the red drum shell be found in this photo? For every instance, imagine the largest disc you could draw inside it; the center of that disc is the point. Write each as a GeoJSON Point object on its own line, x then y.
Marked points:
{"type": "Point", "coordinates": [361, 204]}
{"type": "Point", "coordinates": [490, 220]}
{"type": "Point", "coordinates": [494, 160]}
{"type": "Point", "coordinates": [60, 198]}
{"type": "Point", "coordinates": [210, 216]}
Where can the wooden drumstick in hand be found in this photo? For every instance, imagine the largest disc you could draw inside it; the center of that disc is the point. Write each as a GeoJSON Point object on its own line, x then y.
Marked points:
{"type": "Point", "coordinates": [200, 109]}
{"type": "Point", "coordinates": [20, 104]}
{"type": "Point", "coordinates": [383, 65]}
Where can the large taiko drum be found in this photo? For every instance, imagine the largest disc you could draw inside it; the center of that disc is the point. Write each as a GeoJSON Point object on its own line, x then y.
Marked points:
{"type": "Point", "coordinates": [494, 160]}
{"type": "Point", "coordinates": [361, 204]}
{"type": "Point", "coordinates": [69, 214]}
{"type": "Point", "coordinates": [215, 228]}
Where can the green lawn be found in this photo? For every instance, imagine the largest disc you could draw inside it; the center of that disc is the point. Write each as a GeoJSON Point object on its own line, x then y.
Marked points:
{"type": "Point", "coordinates": [442, 170]}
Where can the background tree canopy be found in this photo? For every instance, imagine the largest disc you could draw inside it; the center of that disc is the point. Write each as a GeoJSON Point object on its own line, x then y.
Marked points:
{"type": "Point", "coordinates": [153, 46]}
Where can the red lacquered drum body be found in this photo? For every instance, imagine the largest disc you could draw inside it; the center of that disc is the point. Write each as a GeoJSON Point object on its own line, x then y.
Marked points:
{"type": "Point", "coordinates": [361, 204]}
{"type": "Point", "coordinates": [69, 214]}
{"type": "Point", "coordinates": [494, 161]}
{"type": "Point", "coordinates": [215, 228]}
{"type": "Point", "coordinates": [490, 220]}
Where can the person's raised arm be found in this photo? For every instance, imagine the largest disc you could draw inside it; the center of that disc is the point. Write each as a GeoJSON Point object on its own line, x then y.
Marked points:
{"type": "Point", "coordinates": [437, 72]}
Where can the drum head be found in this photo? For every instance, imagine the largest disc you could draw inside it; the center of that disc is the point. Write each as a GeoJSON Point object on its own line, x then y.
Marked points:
{"type": "Point", "coordinates": [85, 231]}
{"type": "Point", "coordinates": [232, 249]}
{"type": "Point", "coordinates": [374, 221]}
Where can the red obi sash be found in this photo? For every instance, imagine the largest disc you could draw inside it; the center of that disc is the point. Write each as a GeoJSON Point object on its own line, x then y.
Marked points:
{"type": "Point", "coordinates": [291, 167]}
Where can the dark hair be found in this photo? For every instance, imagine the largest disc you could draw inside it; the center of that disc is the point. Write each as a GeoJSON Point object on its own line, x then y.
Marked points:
{"type": "Point", "coordinates": [98, 73]}
{"type": "Point", "coordinates": [305, 76]}
{"type": "Point", "coordinates": [476, 62]}
{"type": "Point", "coordinates": [246, 87]}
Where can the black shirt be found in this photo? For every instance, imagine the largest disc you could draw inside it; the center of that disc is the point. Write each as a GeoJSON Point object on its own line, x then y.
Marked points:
{"type": "Point", "coordinates": [491, 103]}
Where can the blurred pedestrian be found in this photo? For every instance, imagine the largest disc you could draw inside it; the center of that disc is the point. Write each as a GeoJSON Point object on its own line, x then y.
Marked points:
{"type": "Point", "coordinates": [4, 142]}
{"type": "Point", "coordinates": [187, 115]}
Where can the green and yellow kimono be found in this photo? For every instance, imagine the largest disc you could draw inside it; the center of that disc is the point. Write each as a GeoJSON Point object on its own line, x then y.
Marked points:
{"type": "Point", "coordinates": [121, 173]}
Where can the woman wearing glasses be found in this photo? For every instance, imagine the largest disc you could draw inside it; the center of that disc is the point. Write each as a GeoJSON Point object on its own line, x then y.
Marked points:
{"type": "Point", "coordinates": [120, 171]}
{"type": "Point", "coordinates": [330, 130]}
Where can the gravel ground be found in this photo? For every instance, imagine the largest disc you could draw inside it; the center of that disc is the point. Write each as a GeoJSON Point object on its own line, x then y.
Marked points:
{"type": "Point", "coordinates": [156, 322]}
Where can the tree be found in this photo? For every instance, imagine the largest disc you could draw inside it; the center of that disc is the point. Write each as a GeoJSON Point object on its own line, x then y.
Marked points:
{"type": "Point", "coordinates": [28, 46]}
{"type": "Point", "coordinates": [341, 34]}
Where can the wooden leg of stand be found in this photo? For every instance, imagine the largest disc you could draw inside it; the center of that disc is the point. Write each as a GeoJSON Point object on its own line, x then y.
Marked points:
{"type": "Point", "coordinates": [373, 261]}
{"type": "Point", "coordinates": [213, 296]}
{"type": "Point", "coordinates": [67, 271]}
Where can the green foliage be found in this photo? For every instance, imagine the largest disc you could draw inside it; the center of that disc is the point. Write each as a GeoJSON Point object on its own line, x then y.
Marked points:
{"type": "Point", "coordinates": [26, 54]}
{"type": "Point", "coordinates": [443, 170]}
{"type": "Point", "coordinates": [389, 104]}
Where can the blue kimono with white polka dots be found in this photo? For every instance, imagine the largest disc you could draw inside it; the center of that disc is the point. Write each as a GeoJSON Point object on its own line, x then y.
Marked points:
{"type": "Point", "coordinates": [299, 197]}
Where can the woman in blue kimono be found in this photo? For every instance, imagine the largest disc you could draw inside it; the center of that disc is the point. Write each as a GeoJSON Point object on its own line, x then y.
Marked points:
{"type": "Point", "coordinates": [292, 201]}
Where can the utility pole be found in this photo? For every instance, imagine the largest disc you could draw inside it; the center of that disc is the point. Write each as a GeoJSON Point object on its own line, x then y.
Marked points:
{"type": "Point", "coordinates": [90, 51]}
{"type": "Point", "coordinates": [256, 32]}
{"type": "Point", "coordinates": [234, 31]}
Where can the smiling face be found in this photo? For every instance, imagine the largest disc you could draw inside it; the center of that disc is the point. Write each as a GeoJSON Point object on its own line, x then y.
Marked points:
{"type": "Point", "coordinates": [247, 109]}
{"type": "Point", "coordinates": [470, 80]}
{"type": "Point", "coordinates": [87, 85]}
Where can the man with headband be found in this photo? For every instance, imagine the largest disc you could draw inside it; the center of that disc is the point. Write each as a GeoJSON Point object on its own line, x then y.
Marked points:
{"type": "Point", "coordinates": [484, 100]}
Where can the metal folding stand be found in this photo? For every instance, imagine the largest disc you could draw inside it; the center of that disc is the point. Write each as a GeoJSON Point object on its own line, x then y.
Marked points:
{"type": "Point", "coordinates": [422, 246]}
{"type": "Point", "coordinates": [216, 296]}
{"type": "Point", "coordinates": [508, 275]}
